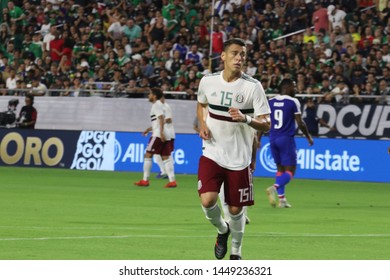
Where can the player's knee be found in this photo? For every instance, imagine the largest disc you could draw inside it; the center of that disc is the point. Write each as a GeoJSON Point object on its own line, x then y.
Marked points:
{"type": "Point", "coordinates": [235, 210]}
{"type": "Point", "coordinates": [208, 199]}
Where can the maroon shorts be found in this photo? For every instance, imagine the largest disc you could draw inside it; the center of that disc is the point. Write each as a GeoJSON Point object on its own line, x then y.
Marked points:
{"type": "Point", "coordinates": [156, 146]}
{"type": "Point", "coordinates": [170, 145]}
{"type": "Point", "coordinates": [238, 183]}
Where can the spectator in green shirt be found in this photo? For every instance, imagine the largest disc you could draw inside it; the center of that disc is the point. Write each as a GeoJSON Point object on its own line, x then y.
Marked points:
{"type": "Point", "coordinates": [16, 13]}
{"type": "Point", "coordinates": [132, 30]}
{"type": "Point", "coordinates": [82, 49]}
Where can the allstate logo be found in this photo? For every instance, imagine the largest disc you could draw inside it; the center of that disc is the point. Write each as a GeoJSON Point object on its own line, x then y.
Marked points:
{"type": "Point", "coordinates": [266, 159]}
{"type": "Point", "coordinates": [117, 151]}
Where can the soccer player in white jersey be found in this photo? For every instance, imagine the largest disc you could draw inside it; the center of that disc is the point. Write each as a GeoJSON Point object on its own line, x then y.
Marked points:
{"type": "Point", "coordinates": [157, 142]}
{"type": "Point", "coordinates": [235, 104]}
{"type": "Point", "coordinates": [170, 141]}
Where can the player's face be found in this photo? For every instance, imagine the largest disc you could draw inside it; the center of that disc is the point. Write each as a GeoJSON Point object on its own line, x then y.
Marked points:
{"type": "Point", "coordinates": [151, 97]}
{"type": "Point", "coordinates": [28, 101]}
{"type": "Point", "coordinates": [234, 58]}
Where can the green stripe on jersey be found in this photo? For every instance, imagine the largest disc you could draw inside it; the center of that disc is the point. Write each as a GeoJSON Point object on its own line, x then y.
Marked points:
{"type": "Point", "coordinates": [249, 78]}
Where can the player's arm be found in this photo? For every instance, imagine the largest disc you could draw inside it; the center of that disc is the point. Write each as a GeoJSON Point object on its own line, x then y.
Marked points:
{"type": "Point", "coordinates": [255, 147]}
{"type": "Point", "coordinates": [260, 123]}
{"type": "Point", "coordinates": [201, 112]}
{"type": "Point", "coordinates": [149, 129]}
{"type": "Point", "coordinates": [302, 126]}
{"type": "Point", "coordinates": [161, 119]}
{"type": "Point", "coordinates": [195, 125]}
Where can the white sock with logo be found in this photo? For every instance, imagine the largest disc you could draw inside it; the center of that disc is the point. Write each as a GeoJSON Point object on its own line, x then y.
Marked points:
{"type": "Point", "coordinates": [237, 228]}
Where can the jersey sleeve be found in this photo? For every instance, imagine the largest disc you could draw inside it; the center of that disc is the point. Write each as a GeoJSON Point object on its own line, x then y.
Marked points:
{"type": "Point", "coordinates": [260, 102]}
{"type": "Point", "coordinates": [201, 92]}
{"type": "Point", "coordinates": [159, 109]}
{"type": "Point", "coordinates": [168, 111]}
{"type": "Point", "coordinates": [297, 107]}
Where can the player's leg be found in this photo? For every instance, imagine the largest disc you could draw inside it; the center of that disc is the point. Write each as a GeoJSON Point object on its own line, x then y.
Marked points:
{"type": "Point", "coordinates": [237, 227]}
{"type": "Point", "coordinates": [168, 164]}
{"type": "Point", "coordinates": [247, 220]}
{"type": "Point", "coordinates": [154, 146]}
{"type": "Point", "coordinates": [288, 161]}
{"type": "Point", "coordinates": [224, 205]}
{"type": "Point", "coordinates": [159, 161]}
{"type": "Point", "coordinates": [282, 179]}
{"type": "Point", "coordinates": [146, 169]}
{"type": "Point", "coordinates": [210, 178]}
{"type": "Point", "coordinates": [239, 193]}
{"type": "Point", "coordinates": [271, 191]}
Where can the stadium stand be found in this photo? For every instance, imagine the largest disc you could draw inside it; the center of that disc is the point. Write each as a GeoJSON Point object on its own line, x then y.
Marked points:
{"type": "Point", "coordinates": [119, 48]}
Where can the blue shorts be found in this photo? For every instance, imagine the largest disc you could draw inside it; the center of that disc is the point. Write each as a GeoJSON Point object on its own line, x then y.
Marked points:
{"type": "Point", "coordinates": [284, 150]}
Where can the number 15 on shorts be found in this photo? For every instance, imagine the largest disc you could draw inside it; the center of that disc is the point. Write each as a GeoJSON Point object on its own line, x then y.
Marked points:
{"type": "Point", "coordinates": [245, 195]}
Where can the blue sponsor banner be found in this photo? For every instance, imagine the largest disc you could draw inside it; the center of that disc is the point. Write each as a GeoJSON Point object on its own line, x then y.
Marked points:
{"type": "Point", "coordinates": [333, 159]}
{"type": "Point", "coordinates": [330, 159]}
{"type": "Point", "coordinates": [37, 148]}
{"type": "Point", "coordinates": [130, 149]}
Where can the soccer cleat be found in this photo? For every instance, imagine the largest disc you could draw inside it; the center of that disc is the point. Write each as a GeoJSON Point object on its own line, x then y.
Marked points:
{"type": "Point", "coordinates": [284, 204]}
{"type": "Point", "coordinates": [220, 248]}
{"type": "Point", "coordinates": [142, 183]}
{"type": "Point", "coordinates": [247, 220]}
{"type": "Point", "coordinates": [171, 185]}
{"type": "Point", "coordinates": [271, 193]}
{"type": "Point", "coordinates": [235, 257]}
{"type": "Point", "coordinates": [161, 176]}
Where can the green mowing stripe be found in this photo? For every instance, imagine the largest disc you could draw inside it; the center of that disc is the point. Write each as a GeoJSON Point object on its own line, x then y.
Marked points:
{"type": "Point", "coordinates": [102, 215]}
{"type": "Point", "coordinates": [191, 236]}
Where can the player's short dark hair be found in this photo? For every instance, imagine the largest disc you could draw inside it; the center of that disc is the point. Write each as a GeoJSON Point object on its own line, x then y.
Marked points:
{"type": "Point", "coordinates": [285, 85]}
{"type": "Point", "coordinates": [31, 97]}
{"type": "Point", "coordinates": [235, 41]}
{"type": "Point", "coordinates": [157, 92]}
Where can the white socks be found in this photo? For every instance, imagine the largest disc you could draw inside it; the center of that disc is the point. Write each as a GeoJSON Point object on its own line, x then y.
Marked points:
{"type": "Point", "coordinates": [213, 214]}
{"type": "Point", "coordinates": [168, 164]}
{"type": "Point", "coordinates": [225, 207]}
{"type": "Point", "coordinates": [147, 167]}
{"type": "Point", "coordinates": [237, 228]}
{"type": "Point", "coordinates": [159, 161]}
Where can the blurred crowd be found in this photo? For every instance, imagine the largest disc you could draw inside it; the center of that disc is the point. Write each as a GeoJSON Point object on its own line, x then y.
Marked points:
{"type": "Point", "coordinates": [122, 47]}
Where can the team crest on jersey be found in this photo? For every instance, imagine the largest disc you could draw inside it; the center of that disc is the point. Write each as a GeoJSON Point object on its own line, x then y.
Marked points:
{"type": "Point", "coordinates": [240, 98]}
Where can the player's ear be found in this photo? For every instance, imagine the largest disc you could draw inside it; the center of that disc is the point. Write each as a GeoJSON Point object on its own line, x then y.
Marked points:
{"type": "Point", "coordinates": [223, 56]}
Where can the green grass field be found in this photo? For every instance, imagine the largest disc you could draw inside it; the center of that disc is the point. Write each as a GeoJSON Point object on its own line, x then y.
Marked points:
{"type": "Point", "coordinates": [58, 214]}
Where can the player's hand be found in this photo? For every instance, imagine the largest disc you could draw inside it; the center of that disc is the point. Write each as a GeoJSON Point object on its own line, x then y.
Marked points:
{"type": "Point", "coordinates": [204, 133]}
{"type": "Point", "coordinates": [236, 115]}
{"type": "Point", "coordinates": [311, 142]}
{"type": "Point", "coordinates": [252, 166]}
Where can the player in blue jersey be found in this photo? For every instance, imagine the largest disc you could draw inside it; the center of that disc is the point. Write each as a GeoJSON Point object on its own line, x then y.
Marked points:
{"type": "Point", "coordinates": [285, 114]}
